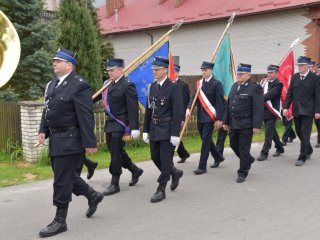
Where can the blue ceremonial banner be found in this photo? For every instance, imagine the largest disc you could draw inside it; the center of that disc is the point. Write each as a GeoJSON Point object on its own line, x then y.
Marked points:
{"type": "Point", "coordinates": [142, 76]}
{"type": "Point", "coordinates": [224, 66]}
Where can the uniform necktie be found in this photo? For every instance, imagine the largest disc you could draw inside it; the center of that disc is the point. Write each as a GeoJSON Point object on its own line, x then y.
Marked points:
{"type": "Point", "coordinates": [159, 86]}
{"type": "Point", "coordinates": [302, 77]}
{"type": "Point", "coordinates": [204, 83]}
{"type": "Point", "coordinates": [56, 84]}
{"type": "Point", "coordinates": [239, 87]}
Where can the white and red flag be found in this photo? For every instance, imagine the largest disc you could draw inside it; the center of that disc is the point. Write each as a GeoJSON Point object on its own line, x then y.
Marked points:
{"type": "Point", "coordinates": [286, 70]}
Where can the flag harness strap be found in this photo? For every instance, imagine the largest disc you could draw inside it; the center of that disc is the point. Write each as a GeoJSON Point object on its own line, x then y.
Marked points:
{"type": "Point", "coordinates": [206, 104]}
{"type": "Point", "coordinates": [107, 106]}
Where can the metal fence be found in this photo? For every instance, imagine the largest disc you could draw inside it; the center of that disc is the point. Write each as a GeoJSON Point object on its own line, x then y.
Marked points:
{"type": "Point", "coordinates": [100, 118]}
{"type": "Point", "coordinates": [10, 129]}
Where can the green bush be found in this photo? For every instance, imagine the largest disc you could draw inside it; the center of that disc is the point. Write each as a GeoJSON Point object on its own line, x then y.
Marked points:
{"type": "Point", "coordinates": [14, 149]}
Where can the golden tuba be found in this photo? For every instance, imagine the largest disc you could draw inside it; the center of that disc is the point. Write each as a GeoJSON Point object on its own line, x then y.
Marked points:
{"type": "Point", "coordinates": [9, 49]}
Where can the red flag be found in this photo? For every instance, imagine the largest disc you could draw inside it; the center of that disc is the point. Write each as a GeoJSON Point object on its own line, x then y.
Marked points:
{"type": "Point", "coordinates": [286, 70]}
{"type": "Point", "coordinates": [171, 74]}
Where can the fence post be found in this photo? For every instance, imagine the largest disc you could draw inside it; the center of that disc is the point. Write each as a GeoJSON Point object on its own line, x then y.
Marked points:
{"type": "Point", "coordinates": [30, 112]}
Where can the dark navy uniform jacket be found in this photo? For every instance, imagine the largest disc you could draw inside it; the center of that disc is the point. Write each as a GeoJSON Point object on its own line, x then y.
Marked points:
{"type": "Point", "coordinates": [164, 103]}
{"type": "Point", "coordinates": [68, 116]}
{"type": "Point", "coordinates": [273, 94]}
{"type": "Point", "coordinates": [185, 94]}
{"type": "Point", "coordinates": [214, 92]}
{"type": "Point", "coordinates": [123, 102]}
{"type": "Point", "coordinates": [245, 107]}
{"type": "Point", "coordinates": [305, 95]}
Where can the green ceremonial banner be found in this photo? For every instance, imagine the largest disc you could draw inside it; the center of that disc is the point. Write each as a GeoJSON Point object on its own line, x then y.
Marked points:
{"type": "Point", "coordinates": [224, 66]}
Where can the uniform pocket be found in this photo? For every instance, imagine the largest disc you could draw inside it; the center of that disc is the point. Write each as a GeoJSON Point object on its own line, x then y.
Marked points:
{"type": "Point", "coordinates": [244, 97]}
{"type": "Point", "coordinates": [65, 98]}
{"type": "Point", "coordinates": [115, 99]}
{"type": "Point", "coordinates": [68, 142]}
{"type": "Point", "coordinates": [162, 101]}
{"type": "Point", "coordinates": [60, 100]}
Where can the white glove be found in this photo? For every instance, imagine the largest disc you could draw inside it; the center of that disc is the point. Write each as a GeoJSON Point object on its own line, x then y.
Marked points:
{"type": "Point", "coordinates": [135, 134]}
{"type": "Point", "coordinates": [174, 140]}
{"type": "Point", "coordinates": [188, 113]}
{"type": "Point", "coordinates": [145, 137]}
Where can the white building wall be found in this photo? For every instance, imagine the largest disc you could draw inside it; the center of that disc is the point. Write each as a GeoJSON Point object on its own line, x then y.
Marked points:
{"type": "Point", "coordinates": [51, 5]}
{"type": "Point", "coordinates": [259, 40]}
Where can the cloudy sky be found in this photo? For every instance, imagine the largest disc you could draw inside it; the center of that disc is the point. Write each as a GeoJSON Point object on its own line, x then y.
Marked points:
{"type": "Point", "coordinates": [99, 2]}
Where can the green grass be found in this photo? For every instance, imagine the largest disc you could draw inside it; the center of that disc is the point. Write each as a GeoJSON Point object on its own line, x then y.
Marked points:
{"type": "Point", "coordinates": [14, 172]}
{"type": "Point", "coordinates": [17, 172]}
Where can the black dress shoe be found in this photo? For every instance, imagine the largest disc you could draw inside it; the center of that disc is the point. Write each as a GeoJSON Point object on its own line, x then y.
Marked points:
{"type": "Point", "coordinates": [158, 196]}
{"type": "Point", "coordinates": [252, 159]}
{"type": "Point", "coordinates": [91, 168]}
{"type": "Point", "coordinates": [284, 143]}
{"type": "Point", "coordinates": [135, 176]}
{"type": "Point", "coordinates": [58, 225]}
{"type": "Point", "coordinates": [217, 163]}
{"type": "Point", "coordinates": [112, 189]}
{"type": "Point", "coordinates": [182, 160]}
{"type": "Point", "coordinates": [317, 145]}
{"type": "Point", "coordinates": [262, 158]}
{"type": "Point", "coordinates": [299, 162]}
{"type": "Point", "coordinates": [277, 153]}
{"type": "Point", "coordinates": [93, 202]}
{"type": "Point", "coordinates": [199, 171]}
{"type": "Point", "coordinates": [309, 155]}
{"type": "Point", "coordinates": [241, 179]}
{"type": "Point", "coordinates": [175, 179]}
{"type": "Point", "coordinates": [290, 140]}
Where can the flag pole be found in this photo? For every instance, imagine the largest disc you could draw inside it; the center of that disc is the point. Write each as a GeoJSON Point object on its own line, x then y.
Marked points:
{"type": "Point", "coordinates": [290, 49]}
{"type": "Point", "coordinates": [232, 60]}
{"type": "Point", "coordinates": [138, 60]}
{"type": "Point", "coordinates": [230, 21]}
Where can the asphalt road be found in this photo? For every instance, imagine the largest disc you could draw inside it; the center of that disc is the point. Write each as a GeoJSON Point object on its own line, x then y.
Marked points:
{"type": "Point", "coordinates": [277, 201]}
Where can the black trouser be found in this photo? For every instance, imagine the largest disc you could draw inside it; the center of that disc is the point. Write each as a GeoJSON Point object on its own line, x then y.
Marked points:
{"type": "Point", "coordinates": [288, 131]}
{"type": "Point", "coordinates": [182, 152]}
{"type": "Point", "coordinates": [205, 131]}
{"type": "Point", "coordinates": [161, 155]}
{"type": "Point", "coordinates": [303, 126]}
{"type": "Point", "coordinates": [67, 179]}
{"type": "Point", "coordinates": [240, 142]}
{"type": "Point", "coordinates": [271, 134]}
{"type": "Point", "coordinates": [317, 122]}
{"type": "Point", "coordinates": [119, 157]}
{"type": "Point", "coordinates": [222, 135]}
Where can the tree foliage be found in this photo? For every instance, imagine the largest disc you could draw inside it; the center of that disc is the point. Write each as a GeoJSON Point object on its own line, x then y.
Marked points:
{"type": "Point", "coordinates": [106, 47]}
{"type": "Point", "coordinates": [37, 42]}
{"type": "Point", "coordinates": [78, 33]}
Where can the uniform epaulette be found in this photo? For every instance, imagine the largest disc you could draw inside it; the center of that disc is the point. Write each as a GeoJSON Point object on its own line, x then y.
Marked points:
{"type": "Point", "coordinates": [79, 78]}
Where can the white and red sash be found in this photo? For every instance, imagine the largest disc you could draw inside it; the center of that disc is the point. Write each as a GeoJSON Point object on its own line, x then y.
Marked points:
{"type": "Point", "coordinates": [268, 103]}
{"type": "Point", "coordinates": [206, 104]}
